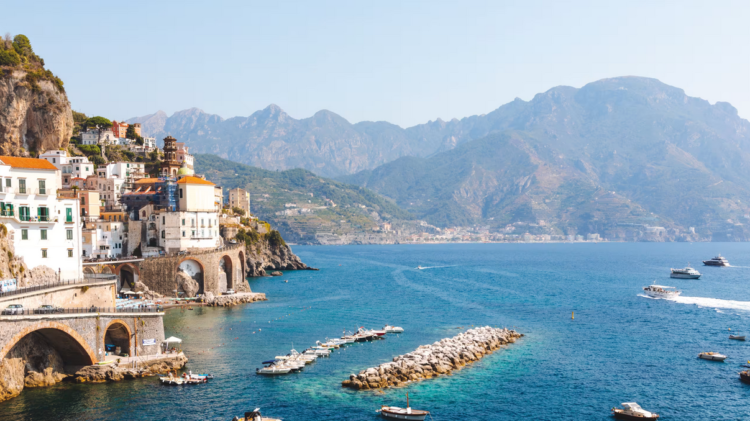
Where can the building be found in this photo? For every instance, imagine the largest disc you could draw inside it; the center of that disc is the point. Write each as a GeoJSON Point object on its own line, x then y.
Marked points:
{"type": "Point", "coordinates": [70, 166]}
{"type": "Point", "coordinates": [110, 192]}
{"type": "Point", "coordinates": [119, 128]}
{"type": "Point", "coordinates": [170, 165]}
{"type": "Point", "coordinates": [96, 136]}
{"type": "Point", "coordinates": [183, 157]}
{"type": "Point", "coordinates": [128, 171]}
{"type": "Point", "coordinates": [239, 198]}
{"type": "Point", "coordinates": [44, 228]}
{"type": "Point", "coordinates": [103, 239]}
{"type": "Point", "coordinates": [137, 128]}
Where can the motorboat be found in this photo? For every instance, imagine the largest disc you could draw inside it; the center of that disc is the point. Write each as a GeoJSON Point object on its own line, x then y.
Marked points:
{"type": "Point", "coordinates": [712, 356]}
{"type": "Point", "coordinates": [661, 291]}
{"type": "Point", "coordinates": [317, 351]}
{"type": "Point", "coordinates": [183, 380]}
{"type": "Point", "coordinates": [396, 413]}
{"type": "Point", "coordinates": [685, 273]}
{"type": "Point", "coordinates": [745, 377]}
{"type": "Point", "coordinates": [737, 337]}
{"type": "Point", "coordinates": [420, 268]}
{"type": "Point", "coordinates": [393, 329]}
{"type": "Point", "coordinates": [633, 411]}
{"type": "Point", "coordinates": [717, 261]}
{"type": "Point", "coordinates": [254, 416]}
{"type": "Point", "coordinates": [273, 369]}
{"type": "Point", "coordinates": [350, 339]}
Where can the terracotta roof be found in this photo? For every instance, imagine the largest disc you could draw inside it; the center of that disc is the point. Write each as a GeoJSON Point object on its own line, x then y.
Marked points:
{"type": "Point", "coordinates": [193, 180]}
{"type": "Point", "coordinates": [32, 163]}
{"type": "Point", "coordinates": [147, 180]}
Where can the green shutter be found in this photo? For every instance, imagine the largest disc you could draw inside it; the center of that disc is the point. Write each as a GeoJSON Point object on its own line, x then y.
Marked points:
{"type": "Point", "coordinates": [68, 215]}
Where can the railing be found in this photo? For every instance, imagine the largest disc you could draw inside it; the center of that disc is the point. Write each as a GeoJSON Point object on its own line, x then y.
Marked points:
{"type": "Point", "coordinates": [87, 279]}
{"type": "Point", "coordinates": [90, 310]}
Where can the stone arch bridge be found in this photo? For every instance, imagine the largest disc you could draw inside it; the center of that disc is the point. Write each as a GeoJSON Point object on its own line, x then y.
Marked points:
{"type": "Point", "coordinates": [215, 270]}
{"type": "Point", "coordinates": [82, 338]}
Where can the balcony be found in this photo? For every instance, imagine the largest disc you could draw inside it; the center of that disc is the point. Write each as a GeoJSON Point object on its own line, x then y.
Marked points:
{"type": "Point", "coordinates": [8, 190]}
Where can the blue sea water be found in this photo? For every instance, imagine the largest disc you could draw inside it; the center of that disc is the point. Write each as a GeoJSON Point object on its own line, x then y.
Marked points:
{"type": "Point", "coordinates": [620, 347]}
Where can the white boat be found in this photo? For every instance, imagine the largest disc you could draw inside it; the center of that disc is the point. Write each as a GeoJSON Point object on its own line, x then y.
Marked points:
{"type": "Point", "coordinates": [393, 329]}
{"type": "Point", "coordinates": [273, 370]}
{"type": "Point", "coordinates": [685, 273]}
{"type": "Point", "coordinates": [254, 416]}
{"type": "Point", "coordinates": [661, 291]}
{"type": "Point", "coordinates": [396, 413]}
{"type": "Point", "coordinates": [633, 411]}
{"type": "Point", "coordinates": [737, 337]}
{"type": "Point", "coordinates": [716, 261]}
{"type": "Point", "coordinates": [420, 268]}
{"type": "Point", "coordinates": [712, 356]}
{"type": "Point", "coordinates": [317, 351]}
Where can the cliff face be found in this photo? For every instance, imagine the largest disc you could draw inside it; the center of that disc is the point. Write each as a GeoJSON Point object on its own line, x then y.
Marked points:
{"type": "Point", "coordinates": [262, 257]}
{"type": "Point", "coordinates": [33, 116]}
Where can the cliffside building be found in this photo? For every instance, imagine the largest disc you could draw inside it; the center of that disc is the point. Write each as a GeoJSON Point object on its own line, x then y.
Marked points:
{"type": "Point", "coordinates": [119, 128]}
{"type": "Point", "coordinates": [239, 198]}
{"type": "Point", "coordinates": [45, 229]}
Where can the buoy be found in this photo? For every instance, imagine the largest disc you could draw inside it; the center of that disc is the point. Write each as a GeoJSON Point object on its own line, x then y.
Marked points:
{"type": "Point", "coordinates": [573, 315]}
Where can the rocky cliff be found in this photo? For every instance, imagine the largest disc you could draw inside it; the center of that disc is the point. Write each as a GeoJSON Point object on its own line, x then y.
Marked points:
{"type": "Point", "coordinates": [263, 256]}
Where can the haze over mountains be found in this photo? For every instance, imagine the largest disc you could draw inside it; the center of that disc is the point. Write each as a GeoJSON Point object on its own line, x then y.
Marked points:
{"type": "Point", "coordinates": [618, 152]}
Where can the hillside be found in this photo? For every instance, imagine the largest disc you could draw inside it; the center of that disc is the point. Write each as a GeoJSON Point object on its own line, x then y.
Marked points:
{"type": "Point", "coordinates": [613, 153]}
{"type": "Point", "coordinates": [330, 206]}
{"type": "Point", "coordinates": [35, 113]}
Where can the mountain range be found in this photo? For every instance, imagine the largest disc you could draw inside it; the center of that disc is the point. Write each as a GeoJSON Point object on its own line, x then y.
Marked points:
{"type": "Point", "coordinates": [618, 152]}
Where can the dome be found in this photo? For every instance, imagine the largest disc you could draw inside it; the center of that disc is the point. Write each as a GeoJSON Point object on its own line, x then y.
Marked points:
{"type": "Point", "coordinates": [184, 170]}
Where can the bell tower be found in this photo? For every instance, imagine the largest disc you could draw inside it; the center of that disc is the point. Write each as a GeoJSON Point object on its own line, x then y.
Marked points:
{"type": "Point", "coordinates": [170, 166]}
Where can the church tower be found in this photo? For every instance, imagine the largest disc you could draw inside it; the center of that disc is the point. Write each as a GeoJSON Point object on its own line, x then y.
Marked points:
{"type": "Point", "coordinates": [170, 166]}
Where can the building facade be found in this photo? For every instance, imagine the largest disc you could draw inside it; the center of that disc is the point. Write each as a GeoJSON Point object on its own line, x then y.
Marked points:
{"type": "Point", "coordinates": [239, 198]}
{"type": "Point", "coordinates": [119, 128]}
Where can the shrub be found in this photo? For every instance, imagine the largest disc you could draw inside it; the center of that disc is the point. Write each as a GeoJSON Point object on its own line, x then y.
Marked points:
{"type": "Point", "coordinates": [9, 58]}
{"type": "Point", "coordinates": [84, 289]}
{"type": "Point", "coordinates": [274, 239]}
{"type": "Point", "coordinates": [3, 230]}
{"type": "Point", "coordinates": [10, 254]}
{"type": "Point", "coordinates": [238, 211]}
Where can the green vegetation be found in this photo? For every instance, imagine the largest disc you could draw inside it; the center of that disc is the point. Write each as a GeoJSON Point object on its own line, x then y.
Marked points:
{"type": "Point", "coordinates": [17, 54]}
{"type": "Point", "coordinates": [98, 121]}
{"type": "Point", "coordinates": [131, 134]}
{"type": "Point", "coordinates": [274, 239]}
{"type": "Point", "coordinates": [247, 236]}
{"type": "Point", "coordinates": [238, 211]}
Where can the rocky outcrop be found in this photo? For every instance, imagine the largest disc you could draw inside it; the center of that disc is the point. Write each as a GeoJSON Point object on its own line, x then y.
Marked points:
{"type": "Point", "coordinates": [147, 293]}
{"type": "Point", "coordinates": [40, 275]}
{"type": "Point", "coordinates": [33, 116]}
{"type": "Point", "coordinates": [183, 282]}
{"type": "Point", "coordinates": [264, 257]}
{"type": "Point", "coordinates": [116, 372]}
{"type": "Point", "coordinates": [429, 361]}
{"type": "Point", "coordinates": [233, 300]}
{"type": "Point", "coordinates": [32, 362]}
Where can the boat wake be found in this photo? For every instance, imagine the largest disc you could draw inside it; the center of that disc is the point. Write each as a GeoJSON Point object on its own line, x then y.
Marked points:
{"type": "Point", "coordinates": [434, 267]}
{"type": "Point", "coordinates": [714, 303]}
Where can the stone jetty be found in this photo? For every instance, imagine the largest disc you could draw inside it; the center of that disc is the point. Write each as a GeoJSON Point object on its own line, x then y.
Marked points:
{"type": "Point", "coordinates": [428, 361]}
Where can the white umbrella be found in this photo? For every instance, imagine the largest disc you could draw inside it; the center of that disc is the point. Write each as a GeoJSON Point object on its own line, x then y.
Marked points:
{"type": "Point", "coordinates": [173, 339]}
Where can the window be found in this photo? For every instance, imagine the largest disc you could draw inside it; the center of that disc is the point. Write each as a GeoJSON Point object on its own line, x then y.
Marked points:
{"type": "Point", "coordinates": [162, 234]}
{"type": "Point", "coordinates": [183, 233]}
{"type": "Point", "coordinates": [69, 234]}
{"type": "Point", "coordinates": [83, 201]}
{"type": "Point", "coordinates": [42, 213]}
{"type": "Point", "coordinates": [70, 252]}
{"type": "Point", "coordinates": [7, 182]}
{"type": "Point", "coordinates": [53, 160]}
{"type": "Point", "coordinates": [23, 213]}
{"type": "Point", "coordinates": [24, 234]}
{"type": "Point", "coordinates": [68, 214]}
{"type": "Point", "coordinates": [44, 234]}
{"type": "Point", "coordinates": [180, 193]}
{"type": "Point", "coordinates": [42, 187]}
{"type": "Point", "coordinates": [183, 223]}
{"type": "Point", "coordinates": [44, 253]}
{"type": "Point", "coordinates": [163, 220]}
{"type": "Point", "coordinates": [22, 186]}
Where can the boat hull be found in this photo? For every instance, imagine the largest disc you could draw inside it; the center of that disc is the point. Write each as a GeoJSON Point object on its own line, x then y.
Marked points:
{"type": "Point", "coordinates": [661, 295]}
{"type": "Point", "coordinates": [745, 377]}
{"type": "Point", "coordinates": [737, 338]}
{"type": "Point", "coordinates": [713, 357]}
{"type": "Point", "coordinates": [684, 276]}
{"type": "Point", "coordinates": [713, 263]}
{"type": "Point", "coordinates": [398, 416]}
{"type": "Point", "coordinates": [620, 415]}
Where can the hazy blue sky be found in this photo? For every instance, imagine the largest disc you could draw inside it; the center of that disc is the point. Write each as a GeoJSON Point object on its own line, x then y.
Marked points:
{"type": "Point", "coordinates": [404, 62]}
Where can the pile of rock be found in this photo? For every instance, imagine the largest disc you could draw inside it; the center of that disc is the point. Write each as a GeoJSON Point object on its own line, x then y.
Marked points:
{"type": "Point", "coordinates": [234, 299]}
{"type": "Point", "coordinates": [117, 372]}
{"type": "Point", "coordinates": [428, 361]}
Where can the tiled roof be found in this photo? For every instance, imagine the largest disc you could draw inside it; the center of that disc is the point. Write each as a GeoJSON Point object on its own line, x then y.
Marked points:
{"type": "Point", "coordinates": [193, 180]}
{"type": "Point", "coordinates": [147, 180]}
{"type": "Point", "coordinates": [31, 163]}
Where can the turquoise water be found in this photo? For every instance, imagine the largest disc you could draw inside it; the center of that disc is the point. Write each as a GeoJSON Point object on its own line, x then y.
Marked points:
{"type": "Point", "coordinates": [620, 347]}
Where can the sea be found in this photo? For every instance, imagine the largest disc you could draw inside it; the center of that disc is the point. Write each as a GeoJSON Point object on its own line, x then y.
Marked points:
{"type": "Point", "coordinates": [592, 339]}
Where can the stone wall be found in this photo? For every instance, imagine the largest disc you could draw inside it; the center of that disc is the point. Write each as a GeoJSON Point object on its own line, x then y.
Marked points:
{"type": "Point", "coordinates": [69, 296]}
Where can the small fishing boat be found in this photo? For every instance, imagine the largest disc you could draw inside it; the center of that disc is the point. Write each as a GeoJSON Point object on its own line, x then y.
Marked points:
{"type": "Point", "coordinates": [737, 337]}
{"type": "Point", "coordinates": [254, 416]}
{"type": "Point", "coordinates": [393, 329]}
{"type": "Point", "coordinates": [745, 377]}
{"type": "Point", "coordinates": [712, 356]}
{"type": "Point", "coordinates": [396, 413]}
{"type": "Point", "coordinates": [633, 411]}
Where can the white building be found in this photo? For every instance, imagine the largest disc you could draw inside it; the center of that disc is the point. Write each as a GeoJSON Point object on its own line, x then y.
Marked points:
{"type": "Point", "coordinates": [128, 171]}
{"type": "Point", "coordinates": [70, 166]}
{"type": "Point", "coordinates": [183, 155]}
{"type": "Point", "coordinates": [92, 137]}
{"type": "Point", "coordinates": [110, 191]}
{"type": "Point", "coordinates": [149, 142]}
{"type": "Point", "coordinates": [45, 230]}
{"type": "Point", "coordinates": [103, 239]}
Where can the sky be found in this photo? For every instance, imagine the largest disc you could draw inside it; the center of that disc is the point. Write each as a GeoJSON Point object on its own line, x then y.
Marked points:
{"type": "Point", "coordinates": [406, 62]}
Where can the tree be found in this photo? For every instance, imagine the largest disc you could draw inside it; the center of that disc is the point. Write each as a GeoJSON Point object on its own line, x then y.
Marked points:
{"type": "Point", "coordinates": [238, 211]}
{"type": "Point", "coordinates": [9, 58]}
{"type": "Point", "coordinates": [98, 121]}
{"type": "Point", "coordinates": [22, 45]}
{"type": "Point", "coordinates": [131, 134]}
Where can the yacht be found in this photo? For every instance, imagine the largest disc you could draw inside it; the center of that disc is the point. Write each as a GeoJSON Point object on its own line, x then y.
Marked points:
{"type": "Point", "coordinates": [712, 356]}
{"type": "Point", "coordinates": [633, 411]}
{"type": "Point", "coordinates": [686, 273]}
{"type": "Point", "coordinates": [716, 261]}
{"type": "Point", "coordinates": [661, 291]}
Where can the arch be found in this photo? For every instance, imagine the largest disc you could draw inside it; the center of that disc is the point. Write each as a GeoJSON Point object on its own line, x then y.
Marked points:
{"type": "Point", "coordinates": [243, 273]}
{"type": "Point", "coordinates": [90, 270]}
{"type": "Point", "coordinates": [135, 269]}
{"type": "Point", "coordinates": [226, 268]}
{"type": "Point", "coordinates": [117, 334]}
{"type": "Point", "coordinates": [193, 268]}
{"type": "Point", "coordinates": [109, 269]}
{"type": "Point", "coordinates": [127, 274]}
{"type": "Point", "coordinates": [67, 342]}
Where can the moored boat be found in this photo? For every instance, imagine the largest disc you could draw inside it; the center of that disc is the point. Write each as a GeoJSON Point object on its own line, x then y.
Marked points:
{"type": "Point", "coordinates": [254, 416]}
{"type": "Point", "coordinates": [712, 356]}
{"type": "Point", "coordinates": [745, 377]}
{"type": "Point", "coordinates": [716, 261]}
{"type": "Point", "coordinates": [396, 413]}
{"type": "Point", "coordinates": [393, 329]}
{"type": "Point", "coordinates": [737, 337]}
{"type": "Point", "coordinates": [633, 411]}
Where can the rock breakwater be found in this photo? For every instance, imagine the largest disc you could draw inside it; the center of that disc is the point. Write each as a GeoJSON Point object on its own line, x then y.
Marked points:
{"type": "Point", "coordinates": [233, 300]}
{"type": "Point", "coordinates": [429, 361]}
